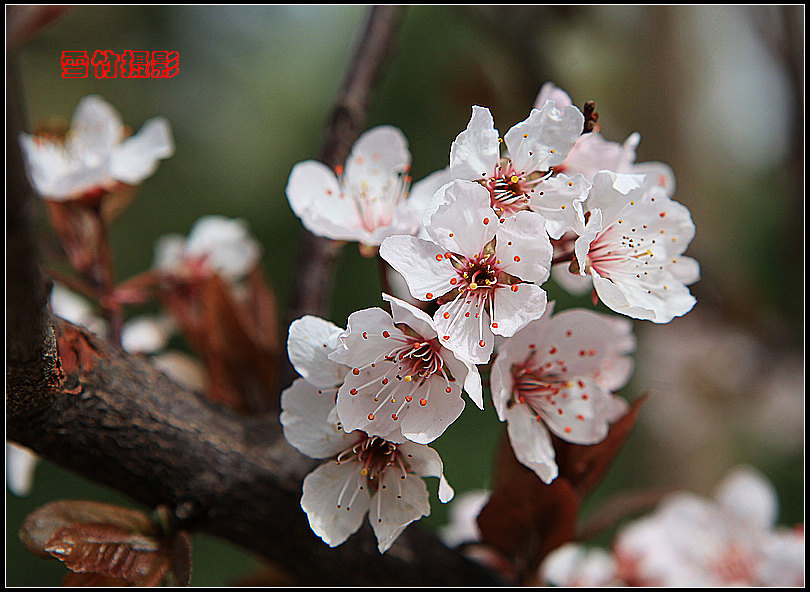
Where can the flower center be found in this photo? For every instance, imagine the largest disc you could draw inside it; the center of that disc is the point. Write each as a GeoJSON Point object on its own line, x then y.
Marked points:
{"type": "Point", "coordinates": [375, 201]}
{"type": "Point", "coordinates": [413, 363]}
{"type": "Point", "coordinates": [536, 386]}
{"type": "Point", "coordinates": [377, 458]}
{"type": "Point", "coordinates": [511, 190]}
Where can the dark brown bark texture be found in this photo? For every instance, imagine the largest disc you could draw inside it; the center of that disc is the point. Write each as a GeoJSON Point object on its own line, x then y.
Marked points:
{"type": "Point", "coordinates": [86, 405]}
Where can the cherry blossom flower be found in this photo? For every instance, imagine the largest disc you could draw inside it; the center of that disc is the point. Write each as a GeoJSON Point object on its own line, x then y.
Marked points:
{"type": "Point", "coordinates": [215, 245]}
{"type": "Point", "coordinates": [94, 156]}
{"type": "Point", "coordinates": [632, 248]}
{"type": "Point", "coordinates": [557, 375]}
{"type": "Point", "coordinates": [728, 541]}
{"type": "Point", "coordinates": [592, 153]}
{"type": "Point", "coordinates": [363, 474]}
{"type": "Point", "coordinates": [368, 199]}
{"type": "Point", "coordinates": [485, 271]}
{"type": "Point", "coordinates": [522, 178]}
{"type": "Point", "coordinates": [402, 380]}
{"type": "Point", "coordinates": [573, 564]}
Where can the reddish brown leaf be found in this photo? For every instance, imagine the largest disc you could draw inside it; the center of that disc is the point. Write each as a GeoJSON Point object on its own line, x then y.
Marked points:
{"type": "Point", "coordinates": [110, 551]}
{"type": "Point", "coordinates": [585, 466]}
{"type": "Point", "coordinates": [180, 559]}
{"type": "Point", "coordinates": [235, 337]}
{"type": "Point", "coordinates": [526, 518]}
{"type": "Point", "coordinates": [89, 580]}
{"type": "Point", "coordinates": [42, 524]}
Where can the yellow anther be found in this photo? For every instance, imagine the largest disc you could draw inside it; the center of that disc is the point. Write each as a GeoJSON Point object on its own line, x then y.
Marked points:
{"type": "Point", "coordinates": [473, 286]}
{"type": "Point", "coordinates": [407, 378]}
{"type": "Point", "coordinates": [514, 179]}
{"type": "Point", "coordinates": [364, 471]}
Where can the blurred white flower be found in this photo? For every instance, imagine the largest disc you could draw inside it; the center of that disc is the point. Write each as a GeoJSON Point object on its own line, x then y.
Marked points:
{"type": "Point", "coordinates": [147, 334]}
{"type": "Point", "coordinates": [731, 540]}
{"type": "Point", "coordinates": [463, 525]}
{"type": "Point", "coordinates": [573, 564]}
{"type": "Point", "coordinates": [95, 156]}
{"type": "Point", "coordinates": [215, 245]}
{"type": "Point", "coordinates": [78, 310]}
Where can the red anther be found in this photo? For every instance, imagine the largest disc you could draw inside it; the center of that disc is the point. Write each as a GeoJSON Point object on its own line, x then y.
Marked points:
{"type": "Point", "coordinates": [429, 296]}
{"type": "Point", "coordinates": [353, 391]}
{"type": "Point", "coordinates": [515, 288]}
{"type": "Point", "coordinates": [448, 390]}
{"type": "Point", "coordinates": [482, 343]}
{"type": "Point", "coordinates": [371, 417]}
{"type": "Point", "coordinates": [423, 402]}
{"type": "Point", "coordinates": [386, 334]}
{"type": "Point", "coordinates": [355, 371]}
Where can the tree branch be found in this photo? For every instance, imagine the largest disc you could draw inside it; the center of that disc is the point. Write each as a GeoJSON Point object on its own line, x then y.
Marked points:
{"type": "Point", "coordinates": [317, 256]}
{"type": "Point", "coordinates": [86, 405]}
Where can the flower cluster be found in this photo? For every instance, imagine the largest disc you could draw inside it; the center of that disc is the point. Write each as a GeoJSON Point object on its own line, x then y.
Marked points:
{"type": "Point", "coordinates": [692, 541]}
{"type": "Point", "coordinates": [475, 243]}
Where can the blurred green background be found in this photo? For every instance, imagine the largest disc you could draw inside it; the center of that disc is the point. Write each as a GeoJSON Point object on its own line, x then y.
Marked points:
{"type": "Point", "coordinates": [716, 92]}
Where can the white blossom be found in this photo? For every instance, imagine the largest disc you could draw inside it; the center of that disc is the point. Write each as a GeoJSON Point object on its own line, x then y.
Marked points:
{"type": "Point", "coordinates": [522, 178]}
{"type": "Point", "coordinates": [362, 474]}
{"type": "Point", "coordinates": [730, 540]}
{"type": "Point", "coordinates": [485, 271]}
{"type": "Point", "coordinates": [632, 248]}
{"type": "Point", "coordinates": [215, 245]}
{"type": "Point", "coordinates": [368, 199]}
{"type": "Point", "coordinates": [402, 380]}
{"type": "Point", "coordinates": [95, 155]}
{"type": "Point", "coordinates": [556, 376]}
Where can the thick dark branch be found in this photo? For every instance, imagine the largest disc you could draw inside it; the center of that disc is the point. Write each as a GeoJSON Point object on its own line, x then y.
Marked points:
{"type": "Point", "coordinates": [317, 256]}
{"type": "Point", "coordinates": [117, 420]}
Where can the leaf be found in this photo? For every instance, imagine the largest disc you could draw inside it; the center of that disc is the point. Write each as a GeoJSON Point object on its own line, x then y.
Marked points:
{"type": "Point", "coordinates": [106, 545]}
{"type": "Point", "coordinates": [110, 551]}
{"type": "Point", "coordinates": [585, 466]}
{"type": "Point", "coordinates": [42, 524]}
{"type": "Point", "coordinates": [236, 337]}
{"type": "Point", "coordinates": [526, 518]}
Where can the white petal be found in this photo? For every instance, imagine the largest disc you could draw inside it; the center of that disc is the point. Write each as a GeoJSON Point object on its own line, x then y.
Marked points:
{"type": "Point", "coordinates": [748, 495]}
{"type": "Point", "coordinates": [426, 462]}
{"type": "Point", "coordinates": [550, 92]}
{"type": "Point", "coordinates": [416, 260]}
{"type": "Point", "coordinates": [464, 330]}
{"type": "Point", "coordinates": [320, 202]}
{"type": "Point", "coordinates": [475, 151]}
{"type": "Point", "coordinates": [423, 424]}
{"type": "Point", "coordinates": [332, 521]}
{"type": "Point", "coordinates": [514, 309]}
{"type": "Point", "coordinates": [592, 153]}
{"type": "Point", "coordinates": [136, 158]}
{"type": "Point", "coordinates": [305, 414]}
{"type": "Point", "coordinates": [309, 343]}
{"type": "Point", "coordinates": [561, 203]}
{"type": "Point", "coordinates": [575, 416]}
{"type": "Point", "coordinates": [370, 334]}
{"type": "Point", "coordinates": [395, 506]}
{"type": "Point", "coordinates": [415, 318]}
{"type": "Point", "coordinates": [460, 218]}
{"type": "Point", "coordinates": [95, 128]}
{"type": "Point", "coordinates": [21, 463]}
{"type": "Point", "coordinates": [524, 248]}
{"type": "Point", "coordinates": [531, 443]}
{"type": "Point", "coordinates": [376, 156]}
{"type": "Point", "coordinates": [544, 138]}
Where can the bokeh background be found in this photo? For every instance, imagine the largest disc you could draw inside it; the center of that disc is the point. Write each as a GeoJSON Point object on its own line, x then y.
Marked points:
{"type": "Point", "coordinates": [715, 91]}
